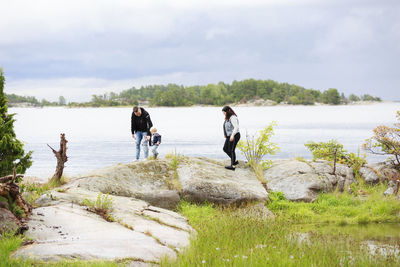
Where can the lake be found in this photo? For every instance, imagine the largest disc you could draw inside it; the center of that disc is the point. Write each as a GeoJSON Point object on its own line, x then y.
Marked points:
{"type": "Point", "coordinates": [99, 137]}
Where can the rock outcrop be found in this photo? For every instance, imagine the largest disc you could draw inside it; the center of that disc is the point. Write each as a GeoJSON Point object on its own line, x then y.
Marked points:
{"type": "Point", "coordinates": [63, 229]}
{"type": "Point", "coordinates": [9, 223]}
{"type": "Point", "coordinates": [147, 180]}
{"type": "Point", "coordinates": [156, 182]}
{"type": "Point", "coordinates": [369, 175]}
{"type": "Point", "coordinates": [142, 229]}
{"type": "Point", "coordinates": [382, 172]}
{"type": "Point", "coordinates": [207, 180]}
{"type": "Point", "coordinates": [143, 226]}
{"type": "Point", "coordinates": [303, 180]}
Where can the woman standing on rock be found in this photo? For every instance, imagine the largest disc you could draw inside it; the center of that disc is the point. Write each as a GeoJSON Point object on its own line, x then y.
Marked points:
{"type": "Point", "coordinates": [232, 135]}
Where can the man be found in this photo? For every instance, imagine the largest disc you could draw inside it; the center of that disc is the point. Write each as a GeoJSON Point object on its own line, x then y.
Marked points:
{"type": "Point", "coordinates": [140, 128]}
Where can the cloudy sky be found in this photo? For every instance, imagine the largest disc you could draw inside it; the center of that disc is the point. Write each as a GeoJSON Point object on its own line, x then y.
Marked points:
{"type": "Point", "coordinates": [77, 48]}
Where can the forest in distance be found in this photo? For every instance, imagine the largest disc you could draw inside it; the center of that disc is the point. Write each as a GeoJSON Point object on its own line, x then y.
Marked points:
{"type": "Point", "coordinates": [173, 95]}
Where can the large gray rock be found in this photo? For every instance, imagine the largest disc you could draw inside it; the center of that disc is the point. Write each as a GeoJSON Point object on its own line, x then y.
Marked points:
{"type": "Point", "coordinates": [370, 175]}
{"type": "Point", "coordinates": [302, 180]}
{"type": "Point", "coordinates": [207, 180]}
{"type": "Point", "coordinates": [379, 172]}
{"type": "Point", "coordinates": [65, 230]}
{"type": "Point", "coordinates": [8, 222]}
{"type": "Point", "coordinates": [159, 184]}
{"type": "Point", "coordinates": [147, 180]}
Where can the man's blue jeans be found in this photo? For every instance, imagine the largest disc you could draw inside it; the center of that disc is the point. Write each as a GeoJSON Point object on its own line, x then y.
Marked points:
{"type": "Point", "coordinates": [141, 139]}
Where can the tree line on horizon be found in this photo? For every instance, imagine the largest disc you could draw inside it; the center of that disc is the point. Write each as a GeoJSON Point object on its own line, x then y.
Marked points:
{"type": "Point", "coordinates": [212, 94]}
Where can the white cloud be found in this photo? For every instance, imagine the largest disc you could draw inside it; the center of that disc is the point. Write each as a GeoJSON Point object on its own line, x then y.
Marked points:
{"type": "Point", "coordinates": [111, 45]}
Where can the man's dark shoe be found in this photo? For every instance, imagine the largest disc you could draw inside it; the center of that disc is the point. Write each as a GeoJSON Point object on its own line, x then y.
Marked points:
{"type": "Point", "coordinates": [236, 163]}
{"type": "Point", "coordinates": [230, 168]}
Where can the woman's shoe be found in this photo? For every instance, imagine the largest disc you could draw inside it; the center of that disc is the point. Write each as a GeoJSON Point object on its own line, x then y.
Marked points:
{"type": "Point", "coordinates": [230, 168]}
{"type": "Point", "coordinates": [236, 163]}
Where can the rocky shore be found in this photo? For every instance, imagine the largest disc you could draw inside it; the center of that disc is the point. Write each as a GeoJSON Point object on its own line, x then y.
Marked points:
{"type": "Point", "coordinates": [145, 226]}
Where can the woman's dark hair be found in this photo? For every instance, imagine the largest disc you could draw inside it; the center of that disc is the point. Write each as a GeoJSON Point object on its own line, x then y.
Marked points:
{"type": "Point", "coordinates": [229, 112]}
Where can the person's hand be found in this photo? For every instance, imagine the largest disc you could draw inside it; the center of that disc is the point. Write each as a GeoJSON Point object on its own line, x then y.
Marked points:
{"type": "Point", "coordinates": [133, 136]}
{"type": "Point", "coordinates": [231, 139]}
{"type": "Point", "coordinates": [158, 143]}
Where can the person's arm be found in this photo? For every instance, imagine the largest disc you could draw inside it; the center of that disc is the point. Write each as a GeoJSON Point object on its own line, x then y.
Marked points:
{"type": "Point", "coordinates": [149, 124]}
{"type": "Point", "coordinates": [223, 128]}
{"type": "Point", "coordinates": [159, 140]}
{"type": "Point", "coordinates": [133, 125]}
{"type": "Point", "coordinates": [235, 123]}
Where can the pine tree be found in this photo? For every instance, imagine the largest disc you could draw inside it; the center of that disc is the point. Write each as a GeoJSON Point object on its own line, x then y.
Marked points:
{"type": "Point", "coordinates": [11, 149]}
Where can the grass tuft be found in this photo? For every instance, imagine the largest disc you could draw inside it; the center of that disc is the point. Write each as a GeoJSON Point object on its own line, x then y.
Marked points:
{"type": "Point", "coordinates": [102, 206]}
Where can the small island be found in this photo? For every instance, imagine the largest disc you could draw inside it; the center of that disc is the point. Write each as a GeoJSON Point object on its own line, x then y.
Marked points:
{"type": "Point", "coordinates": [248, 92]}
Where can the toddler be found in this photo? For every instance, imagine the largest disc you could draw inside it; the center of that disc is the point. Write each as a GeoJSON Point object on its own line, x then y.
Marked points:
{"type": "Point", "coordinates": [155, 141]}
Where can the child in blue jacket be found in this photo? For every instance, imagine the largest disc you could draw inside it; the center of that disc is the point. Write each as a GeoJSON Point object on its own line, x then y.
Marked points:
{"type": "Point", "coordinates": [155, 141]}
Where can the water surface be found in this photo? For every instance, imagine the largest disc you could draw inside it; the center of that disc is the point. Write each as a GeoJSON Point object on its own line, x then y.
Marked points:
{"type": "Point", "coordinates": [100, 137]}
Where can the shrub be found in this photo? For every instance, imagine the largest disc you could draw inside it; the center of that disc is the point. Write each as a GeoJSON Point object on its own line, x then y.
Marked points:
{"type": "Point", "coordinates": [334, 151]}
{"type": "Point", "coordinates": [254, 148]}
{"type": "Point", "coordinates": [386, 141]}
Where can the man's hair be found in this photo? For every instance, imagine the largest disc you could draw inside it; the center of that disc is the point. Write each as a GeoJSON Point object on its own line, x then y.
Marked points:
{"type": "Point", "coordinates": [135, 109]}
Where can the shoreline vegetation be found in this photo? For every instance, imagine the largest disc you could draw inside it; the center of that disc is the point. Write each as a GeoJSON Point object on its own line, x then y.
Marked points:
{"type": "Point", "coordinates": [338, 229]}
{"type": "Point", "coordinates": [248, 92]}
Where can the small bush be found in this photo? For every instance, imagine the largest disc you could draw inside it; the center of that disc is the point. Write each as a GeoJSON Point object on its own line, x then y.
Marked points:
{"type": "Point", "coordinates": [255, 148]}
{"type": "Point", "coordinates": [334, 151]}
{"type": "Point", "coordinates": [386, 141]}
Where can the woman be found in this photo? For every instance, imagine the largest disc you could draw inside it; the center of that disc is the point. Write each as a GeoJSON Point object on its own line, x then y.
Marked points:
{"type": "Point", "coordinates": [232, 135]}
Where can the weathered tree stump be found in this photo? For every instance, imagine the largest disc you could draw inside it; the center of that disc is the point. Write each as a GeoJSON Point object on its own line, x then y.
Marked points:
{"type": "Point", "coordinates": [61, 156]}
{"type": "Point", "coordinates": [9, 189]}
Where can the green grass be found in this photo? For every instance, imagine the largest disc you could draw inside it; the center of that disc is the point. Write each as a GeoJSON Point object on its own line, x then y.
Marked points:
{"type": "Point", "coordinates": [8, 243]}
{"type": "Point", "coordinates": [225, 239]}
{"type": "Point", "coordinates": [339, 208]}
{"type": "Point", "coordinates": [32, 191]}
{"type": "Point", "coordinates": [173, 181]}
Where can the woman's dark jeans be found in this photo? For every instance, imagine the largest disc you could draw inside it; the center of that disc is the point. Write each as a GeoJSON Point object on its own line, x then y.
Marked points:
{"type": "Point", "coordinates": [229, 147]}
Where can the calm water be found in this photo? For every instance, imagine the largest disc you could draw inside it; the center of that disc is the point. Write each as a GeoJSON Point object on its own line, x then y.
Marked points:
{"type": "Point", "coordinates": [100, 137]}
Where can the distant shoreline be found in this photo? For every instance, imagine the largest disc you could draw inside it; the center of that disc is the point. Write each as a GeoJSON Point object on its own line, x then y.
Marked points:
{"type": "Point", "coordinates": [248, 104]}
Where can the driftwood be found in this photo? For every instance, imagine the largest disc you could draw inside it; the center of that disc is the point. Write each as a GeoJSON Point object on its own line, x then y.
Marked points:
{"type": "Point", "coordinates": [61, 156]}
{"type": "Point", "coordinates": [9, 189]}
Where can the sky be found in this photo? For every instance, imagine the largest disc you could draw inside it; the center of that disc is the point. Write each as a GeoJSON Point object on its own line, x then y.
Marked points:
{"type": "Point", "coordinates": [77, 48]}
